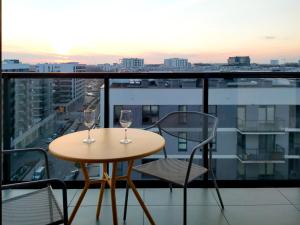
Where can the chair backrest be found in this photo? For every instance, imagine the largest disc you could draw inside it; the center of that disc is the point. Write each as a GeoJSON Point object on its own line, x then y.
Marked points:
{"type": "Point", "coordinates": [196, 126]}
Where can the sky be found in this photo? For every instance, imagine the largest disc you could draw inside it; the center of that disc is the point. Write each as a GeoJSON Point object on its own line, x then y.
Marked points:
{"type": "Point", "coordinates": [104, 31]}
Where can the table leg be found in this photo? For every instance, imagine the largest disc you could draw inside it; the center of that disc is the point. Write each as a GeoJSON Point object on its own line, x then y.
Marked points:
{"type": "Point", "coordinates": [83, 192]}
{"type": "Point", "coordinates": [136, 193]}
{"type": "Point", "coordinates": [113, 193]}
{"type": "Point", "coordinates": [103, 182]}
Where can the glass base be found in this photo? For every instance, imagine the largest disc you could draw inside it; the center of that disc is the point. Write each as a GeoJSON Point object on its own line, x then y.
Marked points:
{"type": "Point", "coordinates": [88, 141]}
{"type": "Point", "coordinates": [125, 141]}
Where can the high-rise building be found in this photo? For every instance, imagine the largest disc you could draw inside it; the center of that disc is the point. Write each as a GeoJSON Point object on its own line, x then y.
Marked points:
{"type": "Point", "coordinates": [274, 62]}
{"type": "Point", "coordinates": [176, 63]}
{"type": "Point", "coordinates": [30, 103]}
{"type": "Point", "coordinates": [132, 63]}
{"type": "Point", "coordinates": [14, 65]}
{"type": "Point", "coordinates": [253, 136]}
{"type": "Point", "coordinates": [65, 91]}
{"type": "Point", "coordinates": [239, 61]}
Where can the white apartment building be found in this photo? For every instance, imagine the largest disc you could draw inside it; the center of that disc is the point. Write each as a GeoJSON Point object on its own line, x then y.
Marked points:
{"type": "Point", "coordinates": [177, 64]}
{"type": "Point", "coordinates": [239, 61]}
{"type": "Point", "coordinates": [258, 135]}
{"type": "Point", "coordinates": [66, 92]}
{"type": "Point", "coordinates": [132, 63]}
{"type": "Point", "coordinates": [274, 62]}
{"type": "Point", "coordinates": [14, 65]}
{"type": "Point", "coordinates": [31, 104]}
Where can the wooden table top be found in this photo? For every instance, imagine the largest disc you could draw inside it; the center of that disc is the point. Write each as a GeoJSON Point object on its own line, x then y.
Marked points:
{"type": "Point", "coordinates": [107, 147]}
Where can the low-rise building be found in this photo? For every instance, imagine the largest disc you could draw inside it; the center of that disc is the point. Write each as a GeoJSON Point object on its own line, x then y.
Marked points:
{"type": "Point", "coordinates": [239, 61]}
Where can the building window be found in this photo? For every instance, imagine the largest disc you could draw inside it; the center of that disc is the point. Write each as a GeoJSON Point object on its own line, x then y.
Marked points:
{"type": "Point", "coordinates": [150, 114]}
{"type": "Point", "coordinates": [241, 116]}
{"type": "Point", "coordinates": [182, 108]}
{"type": "Point", "coordinates": [117, 112]}
{"type": "Point", "coordinates": [212, 109]}
{"type": "Point", "coordinates": [266, 113]}
{"type": "Point", "coordinates": [182, 142]}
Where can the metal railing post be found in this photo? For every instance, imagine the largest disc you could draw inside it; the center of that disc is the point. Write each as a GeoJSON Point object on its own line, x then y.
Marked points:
{"type": "Point", "coordinates": [106, 102]}
{"type": "Point", "coordinates": [8, 103]}
{"type": "Point", "coordinates": [205, 110]}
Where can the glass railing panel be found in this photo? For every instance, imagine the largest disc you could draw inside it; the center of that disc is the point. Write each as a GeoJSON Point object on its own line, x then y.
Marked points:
{"type": "Point", "coordinates": [150, 100]}
{"type": "Point", "coordinates": [42, 111]}
{"type": "Point", "coordinates": [257, 136]}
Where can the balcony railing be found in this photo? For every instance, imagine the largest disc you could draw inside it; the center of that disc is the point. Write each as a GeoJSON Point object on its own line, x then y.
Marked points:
{"type": "Point", "coordinates": [207, 85]}
{"type": "Point", "coordinates": [258, 155]}
{"type": "Point", "coordinates": [258, 126]}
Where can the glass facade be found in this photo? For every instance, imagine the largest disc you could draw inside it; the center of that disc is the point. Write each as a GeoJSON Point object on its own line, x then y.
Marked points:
{"type": "Point", "coordinates": [257, 136]}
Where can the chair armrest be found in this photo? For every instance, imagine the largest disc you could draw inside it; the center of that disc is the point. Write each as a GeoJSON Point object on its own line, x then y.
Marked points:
{"type": "Point", "coordinates": [149, 127]}
{"type": "Point", "coordinates": [43, 183]}
{"type": "Point", "coordinates": [40, 150]}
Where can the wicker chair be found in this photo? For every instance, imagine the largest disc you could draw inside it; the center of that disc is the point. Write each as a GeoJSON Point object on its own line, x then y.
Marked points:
{"type": "Point", "coordinates": [37, 207]}
{"type": "Point", "coordinates": [197, 127]}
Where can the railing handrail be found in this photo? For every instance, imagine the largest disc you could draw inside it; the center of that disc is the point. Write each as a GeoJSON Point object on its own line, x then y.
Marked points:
{"type": "Point", "coordinates": [204, 76]}
{"type": "Point", "coordinates": [277, 149]}
{"type": "Point", "coordinates": [148, 75]}
{"type": "Point", "coordinates": [276, 119]}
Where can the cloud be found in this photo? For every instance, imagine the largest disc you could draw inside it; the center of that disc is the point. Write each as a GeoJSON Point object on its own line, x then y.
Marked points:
{"type": "Point", "coordinates": [269, 37]}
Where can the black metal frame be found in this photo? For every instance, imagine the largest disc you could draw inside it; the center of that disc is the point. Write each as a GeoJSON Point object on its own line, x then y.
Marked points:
{"type": "Point", "coordinates": [44, 183]}
{"type": "Point", "coordinates": [201, 146]}
{"type": "Point", "coordinates": [56, 183]}
{"type": "Point", "coordinates": [205, 76]}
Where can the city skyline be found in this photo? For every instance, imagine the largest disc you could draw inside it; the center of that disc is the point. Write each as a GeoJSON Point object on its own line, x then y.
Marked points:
{"type": "Point", "coordinates": [106, 31]}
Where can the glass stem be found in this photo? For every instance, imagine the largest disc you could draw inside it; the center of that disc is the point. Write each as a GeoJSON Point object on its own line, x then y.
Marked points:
{"type": "Point", "coordinates": [89, 137]}
{"type": "Point", "coordinates": [125, 133]}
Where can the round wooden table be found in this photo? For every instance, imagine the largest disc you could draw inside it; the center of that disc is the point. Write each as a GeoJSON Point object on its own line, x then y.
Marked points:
{"type": "Point", "coordinates": [107, 149]}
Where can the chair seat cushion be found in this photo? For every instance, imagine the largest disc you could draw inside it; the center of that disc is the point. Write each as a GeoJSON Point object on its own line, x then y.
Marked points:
{"type": "Point", "coordinates": [35, 208]}
{"type": "Point", "coordinates": [171, 170]}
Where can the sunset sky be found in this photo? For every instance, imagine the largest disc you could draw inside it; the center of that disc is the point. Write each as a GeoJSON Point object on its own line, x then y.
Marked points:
{"type": "Point", "coordinates": [100, 31]}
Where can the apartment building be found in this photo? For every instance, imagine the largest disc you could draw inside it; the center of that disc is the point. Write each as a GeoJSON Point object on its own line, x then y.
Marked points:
{"type": "Point", "coordinates": [30, 103]}
{"type": "Point", "coordinates": [177, 64]}
{"type": "Point", "coordinates": [132, 64]}
{"type": "Point", "coordinates": [239, 61]}
{"type": "Point", "coordinates": [258, 131]}
{"type": "Point", "coordinates": [66, 92]}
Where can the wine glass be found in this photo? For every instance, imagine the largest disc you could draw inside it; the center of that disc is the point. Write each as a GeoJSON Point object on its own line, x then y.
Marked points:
{"type": "Point", "coordinates": [89, 120]}
{"type": "Point", "coordinates": [125, 121]}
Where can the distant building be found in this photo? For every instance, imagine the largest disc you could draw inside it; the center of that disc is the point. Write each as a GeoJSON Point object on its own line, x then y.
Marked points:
{"type": "Point", "coordinates": [14, 65]}
{"type": "Point", "coordinates": [132, 63]}
{"type": "Point", "coordinates": [253, 137]}
{"type": "Point", "coordinates": [274, 62]}
{"type": "Point", "coordinates": [106, 67]}
{"type": "Point", "coordinates": [65, 91]}
{"type": "Point", "coordinates": [31, 104]}
{"type": "Point", "coordinates": [177, 63]}
{"type": "Point", "coordinates": [239, 61]}
{"type": "Point", "coordinates": [70, 67]}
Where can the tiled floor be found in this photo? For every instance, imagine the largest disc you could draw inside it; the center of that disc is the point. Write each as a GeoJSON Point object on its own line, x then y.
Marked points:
{"type": "Point", "coordinates": [260, 206]}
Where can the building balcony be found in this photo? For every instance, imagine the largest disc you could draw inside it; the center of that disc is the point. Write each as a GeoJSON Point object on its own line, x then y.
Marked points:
{"type": "Point", "coordinates": [261, 126]}
{"type": "Point", "coordinates": [258, 155]}
{"type": "Point", "coordinates": [276, 167]}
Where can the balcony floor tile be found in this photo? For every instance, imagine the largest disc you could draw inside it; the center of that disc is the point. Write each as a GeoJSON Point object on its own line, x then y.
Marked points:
{"type": "Point", "coordinates": [292, 194]}
{"type": "Point", "coordinates": [86, 215]}
{"type": "Point", "coordinates": [196, 215]}
{"type": "Point", "coordinates": [253, 206]}
{"type": "Point", "coordinates": [195, 196]}
{"type": "Point", "coordinates": [91, 197]}
{"type": "Point", "coordinates": [253, 196]}
{"type": "Point", "coordinates": [262, 215]}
